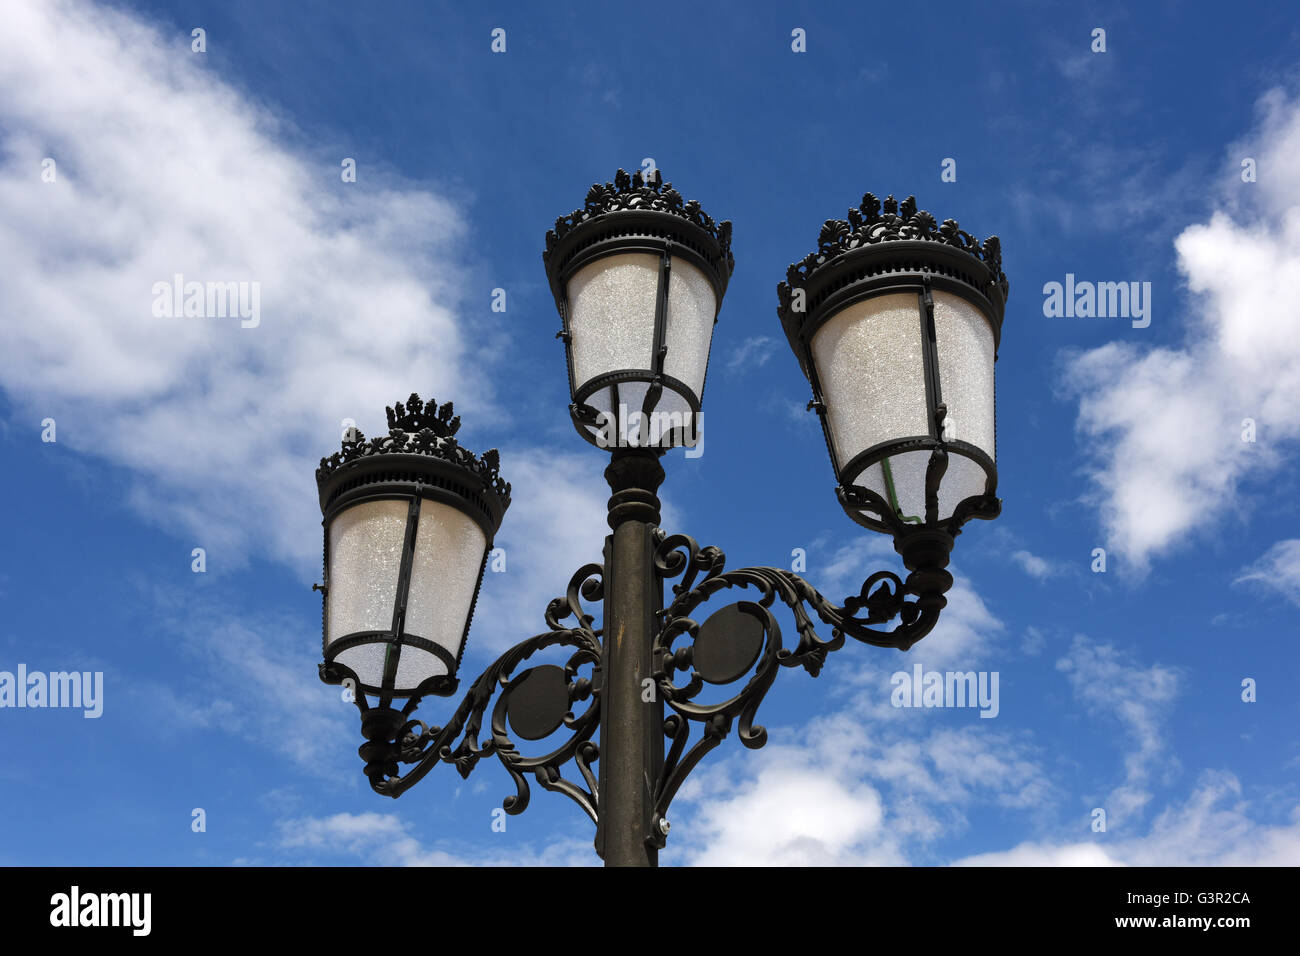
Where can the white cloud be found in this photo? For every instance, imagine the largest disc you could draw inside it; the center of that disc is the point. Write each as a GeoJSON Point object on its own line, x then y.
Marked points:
{"type": "Point", "coordinates": [1213, 827]}
{"type": "Point", "coordinates": [223, 427]}
{"type": "Point", "coordinates": [752, 353]}
{"type": "Point", "coordinates": [1036, 567]}
{"type": "Point", "coordinates": [1041, 854]}
{"type": "Point", "coordinates": [851, 790]}
{"type": "Point", "coordinates": [385, 839]}
{"type": "Point", "coordinates": [791, 814]}
{"type": "Point", "coordinates": [1033, 642]}
{"type": "Point", "coordinates": [866, 784]}
{"type": "Point", "coordinates": [1107, 681]}
{"type": "Point", "coordinates": [1164, 426]}
{"type": "Point", "coordinates": [1278, 570]}
{"type": "Point", "coordinates": [254, 679]}
{"type": "Point", "coordinates": [862, 787]}
{"type": "Point", "coordinates": [165, 168]}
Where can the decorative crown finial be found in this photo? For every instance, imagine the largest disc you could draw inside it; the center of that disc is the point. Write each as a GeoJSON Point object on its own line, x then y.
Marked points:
{"type": "Point", "coordinates": [636, 193]}
{"type": "Point", "coordinates": [875, 222]}
{"type": "Point", "coordinates": [415, 416]}
{"type": "Point", "coordinates": [418, 428]}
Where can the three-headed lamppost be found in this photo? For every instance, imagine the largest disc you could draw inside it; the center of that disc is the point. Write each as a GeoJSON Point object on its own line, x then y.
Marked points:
{"type": "Point", "coordinates": [895, 320]}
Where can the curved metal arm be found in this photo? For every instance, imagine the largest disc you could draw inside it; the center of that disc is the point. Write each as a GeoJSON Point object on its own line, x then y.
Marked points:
{"type": "Point", "coordinates": [744, 638]}
{"type": "Point", "coordinates": [533, 714]}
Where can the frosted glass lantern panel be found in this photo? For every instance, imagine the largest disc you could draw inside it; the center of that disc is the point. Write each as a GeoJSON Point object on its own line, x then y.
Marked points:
{"type": "Point", "coordinates": [906, 474]}
{"type": "Point", "coordinates": [689, 329]}
{"type": "Point", "coordinates": [449, 549]}
{"type": "Point", "coordinates": [964, 339]}
{"type": "Point", "coordinates": [963, 479]}
{"type": "Point", "coordinates": [612, 314]}
{"type": "Point", "coordinates": [365, 560]}
{"type": "Point", "coordinates": [900, 480]}
{"type": "Point", "coordinates": [871, 366]}
{"type": "Point", "coordinates": [366, 661]}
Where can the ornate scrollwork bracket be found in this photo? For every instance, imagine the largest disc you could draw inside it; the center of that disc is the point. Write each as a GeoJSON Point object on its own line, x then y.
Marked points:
{"type": "Point", "coordinates": [739, 646]}
{"type": "Point", "coordinates": [531, 705]}
{"type": "Point", "coordinates": [741, 643]}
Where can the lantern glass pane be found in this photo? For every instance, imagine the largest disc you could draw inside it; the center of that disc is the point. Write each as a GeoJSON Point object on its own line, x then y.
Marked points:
{"type": "Point", "coordinates": [905, 488]}
{"type": "Point", "coordinates": [449, 549]}
{"type": "Point", "coordinates": [365, 562]}
{"type": "Point", "coordinates": [366, 661]}
{"type": "Point", "coordinates": [908, 474]}
{"type": "Point", "coordinates": [964, 339]}
{"type": "Point", "coordinates": [873, 478]}
{"type": "Point", "coordinates": [689, 329]}
{"type": "Point", "coordinates": [963, 479]}
{"type": "Point", "coordinates": [612, 314]}
{"type": "Point", "coordinates": [871, 367]}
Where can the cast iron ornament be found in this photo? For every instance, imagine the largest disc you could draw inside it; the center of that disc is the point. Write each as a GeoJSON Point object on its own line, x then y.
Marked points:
{"type": "Point", "coordinates": [635, 194]}
{"type": "Point", "coordinates": [417, 428]}
{"type": "Point", "coordinates": [868, 224]}
{"type": "Point", "coordinates": [747, 659]}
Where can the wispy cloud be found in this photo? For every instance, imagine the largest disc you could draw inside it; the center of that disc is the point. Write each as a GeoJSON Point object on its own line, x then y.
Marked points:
{"type": "Point", "coordinates": [1036, 567]}
{"type": "Point", "coordinates": [1277, 570]}
{"type": "Point", "coordinates": [1214, 826]}
{"type": "Point", "coordinates": [1110, 682]}
{"type": "Point", "coordinates": [865, 784]}
{"type": "Point", "coordinates": [163, 168]}
{"type": "Point", "coordinates": [251, 678]}
{"type": "Point", "coordinates": [1166, 429]}
{"type": "Point", "coordinates": [752, 353]}
{"type": "Point", "coordinates": [385, 839]}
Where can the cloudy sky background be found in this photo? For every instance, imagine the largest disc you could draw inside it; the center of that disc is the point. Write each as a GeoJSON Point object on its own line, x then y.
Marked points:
{"type": "Point", "coordinates": [1119, 690]}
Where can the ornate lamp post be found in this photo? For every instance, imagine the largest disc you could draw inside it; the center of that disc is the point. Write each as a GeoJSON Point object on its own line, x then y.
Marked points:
{"type": "Point", "coordinates": [894, 319]}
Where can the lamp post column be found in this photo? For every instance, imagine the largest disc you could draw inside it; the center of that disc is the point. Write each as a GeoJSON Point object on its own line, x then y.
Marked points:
{"type": "Point", "coordinates": [631, 730]}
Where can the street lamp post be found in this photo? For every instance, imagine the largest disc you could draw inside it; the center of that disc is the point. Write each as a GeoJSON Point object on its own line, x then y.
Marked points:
{"type": "Point", "coordinates": [895, 320]}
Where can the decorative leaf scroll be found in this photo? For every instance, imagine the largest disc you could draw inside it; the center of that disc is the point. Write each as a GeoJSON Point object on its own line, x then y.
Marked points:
{"type": "Point", "coordinates": [702, 575]}
{"type": "Point", "coordinates": [628, 193]}
{"type": "Point", "coordinates": [417, 428]}
{"type": "Point", "coordinates": [424, 746]}
{"type": "Point", "coordinates": [874, 222]}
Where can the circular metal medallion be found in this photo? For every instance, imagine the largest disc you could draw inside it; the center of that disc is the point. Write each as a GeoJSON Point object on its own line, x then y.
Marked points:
{"type": "Point", "coordinates": [728, 644]}
{"type": "Point", "coordinates": [538, 701]}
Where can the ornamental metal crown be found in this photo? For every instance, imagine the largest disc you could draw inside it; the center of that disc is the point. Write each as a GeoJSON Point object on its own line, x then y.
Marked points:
{"type": "Point", "coordinates": [876, 222]}
{"type": "Point", "coordinates": [418, 428]}
{"type": "Point", "coordinates": [636, 193]}
{"type": "Point", "coordinates": [415, 416]}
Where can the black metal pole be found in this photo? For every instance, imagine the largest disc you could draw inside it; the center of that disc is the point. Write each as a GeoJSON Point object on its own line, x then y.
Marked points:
{"type": "Point", "coordinates": [631, 728]}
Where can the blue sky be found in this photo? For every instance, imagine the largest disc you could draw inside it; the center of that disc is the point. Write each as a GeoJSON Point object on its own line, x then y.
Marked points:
{"type": "Point", "coordinates": [1119, 690]}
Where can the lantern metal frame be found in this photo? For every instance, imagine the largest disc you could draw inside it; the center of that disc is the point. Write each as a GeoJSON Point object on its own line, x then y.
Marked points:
{"type": "Point", "coordinates": [418, 460]}
{"type": "Point", "coordinates": [740, 645]}
{"type": "Point", "coordinates": [634, 214]}
{"type": "Point", "coordinates": [883, 249]}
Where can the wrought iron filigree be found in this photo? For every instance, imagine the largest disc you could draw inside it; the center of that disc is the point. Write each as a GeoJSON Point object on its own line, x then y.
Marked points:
{"type": "Point", "coordinates": [635, 193]}
{"type": "Point", "coordinates": [867, 224]}
{"type": "Point", "coordinates": [411, 741]}
{"type": "Point", "coordinates": [741, 643]}
{"type": "Point", "coordinates": [884, 596]}
{"type": "Point", "coordinates": [417, 428]}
